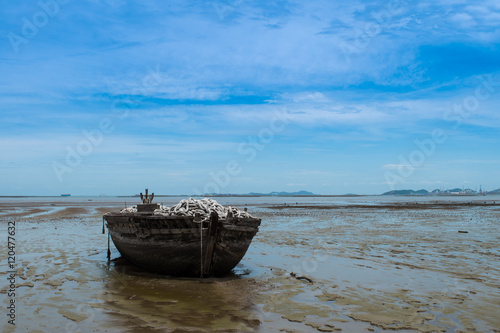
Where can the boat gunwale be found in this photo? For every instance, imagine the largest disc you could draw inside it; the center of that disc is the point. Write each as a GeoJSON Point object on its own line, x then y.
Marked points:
{"type": "Point", "coordinates": [176, 217]}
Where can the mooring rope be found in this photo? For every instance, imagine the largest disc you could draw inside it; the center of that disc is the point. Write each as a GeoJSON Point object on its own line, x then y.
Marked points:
{"type": "Point", "coordinates": [201, 249]}
{"type": "Point", "coordinates": [191, 207]}
{"type": "Point", "coordinates": [109, 251]}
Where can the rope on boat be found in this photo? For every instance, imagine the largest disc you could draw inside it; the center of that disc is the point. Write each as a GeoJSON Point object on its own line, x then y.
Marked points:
{"type": "Point", "coordinates": [189, 207]}
{"type": "Point", "coordinates": [131, 209]}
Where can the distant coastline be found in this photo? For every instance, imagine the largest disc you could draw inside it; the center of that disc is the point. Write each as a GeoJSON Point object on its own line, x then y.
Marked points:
{"type": "Point", "coordinates": [454, 191]}
{"type": "Point", "coordinates": [407, 192]}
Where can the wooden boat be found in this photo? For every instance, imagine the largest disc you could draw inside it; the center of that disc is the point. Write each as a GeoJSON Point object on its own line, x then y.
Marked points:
{"type": "Point", "coordinates": [181, 245]}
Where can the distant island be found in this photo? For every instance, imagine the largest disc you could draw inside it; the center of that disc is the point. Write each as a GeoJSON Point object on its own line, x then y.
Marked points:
{"type": "Point", "coordinates": [254, 194]}
{"type": "Point", "coordinates": [454, 191]}
{"type": "Point", "coordinates": [283, 193]}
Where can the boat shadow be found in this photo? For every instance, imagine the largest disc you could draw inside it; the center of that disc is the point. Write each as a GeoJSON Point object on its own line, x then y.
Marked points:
{"type": "Point", "coordinates": [140, 301]}
{"type": "Point", "coordinates": [123, 266]}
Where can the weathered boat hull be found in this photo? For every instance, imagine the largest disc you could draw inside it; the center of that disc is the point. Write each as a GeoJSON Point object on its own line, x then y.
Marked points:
{"type": "Point", "coordinates": [179, 246]}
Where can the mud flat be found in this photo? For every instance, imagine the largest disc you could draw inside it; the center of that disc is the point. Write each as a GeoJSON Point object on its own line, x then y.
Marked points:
{"type": "Point", "coordinates": [363, 267]}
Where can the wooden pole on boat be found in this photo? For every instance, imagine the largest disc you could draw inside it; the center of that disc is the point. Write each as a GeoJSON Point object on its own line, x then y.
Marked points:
{"type": "Point", "coordinates": [103, 231]}
{"type": "Point", "coordinates": [212, 237]}
{"type": "Point", "coordinates": [197, 218]}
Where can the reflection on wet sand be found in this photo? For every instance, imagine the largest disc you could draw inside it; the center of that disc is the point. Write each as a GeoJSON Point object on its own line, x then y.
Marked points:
{"type": "Point", "coordinates": [155, 303]}
{"type": "Point", "coordinates": [355, 268]}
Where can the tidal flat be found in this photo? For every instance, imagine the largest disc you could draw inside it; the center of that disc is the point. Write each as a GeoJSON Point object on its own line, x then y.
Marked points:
{"type": "Point", "coordinates": [362, 264]}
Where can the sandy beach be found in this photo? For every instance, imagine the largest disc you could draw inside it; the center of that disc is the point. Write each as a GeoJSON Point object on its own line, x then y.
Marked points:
{"type": "Point", "coordinates": [363, 266]}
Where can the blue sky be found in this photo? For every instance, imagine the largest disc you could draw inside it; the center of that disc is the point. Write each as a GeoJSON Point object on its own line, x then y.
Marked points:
{"type": "Point", "coordinates": [237, 96]}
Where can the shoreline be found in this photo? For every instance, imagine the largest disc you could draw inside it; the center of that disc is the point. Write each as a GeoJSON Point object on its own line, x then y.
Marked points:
{"type": "Point", "coordinates": [90, 208]}
{"type": "Point", "coordinates": [398, 205]}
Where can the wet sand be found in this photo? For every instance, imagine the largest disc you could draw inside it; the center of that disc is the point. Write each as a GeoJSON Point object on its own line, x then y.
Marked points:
{"type": "Point", "coordinates": [398, 267]}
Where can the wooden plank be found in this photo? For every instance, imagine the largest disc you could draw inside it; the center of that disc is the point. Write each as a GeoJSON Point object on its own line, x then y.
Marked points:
{"type": "Point", "coordinates": [212, 237]}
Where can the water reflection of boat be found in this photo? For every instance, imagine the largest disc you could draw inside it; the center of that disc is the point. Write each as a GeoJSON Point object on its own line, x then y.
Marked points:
{"type": "Point", "coordinates": [200, 245]}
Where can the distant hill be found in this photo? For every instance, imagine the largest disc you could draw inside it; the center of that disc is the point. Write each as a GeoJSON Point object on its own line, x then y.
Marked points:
{"type": "Point", "coordinates": [283, 193]}
{"type": "Point", "coordinates": [407, 192]}
{"type": "Point", "coordinates": [453, 191]}
{"type": "Point", "coordinates": [299, 193]}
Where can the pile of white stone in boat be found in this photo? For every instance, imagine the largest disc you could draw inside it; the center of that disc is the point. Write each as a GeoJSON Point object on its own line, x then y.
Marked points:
{"type": "Point", "coordinates": [189, 207]}
{"type": "Point", "coordinates": [131, 209]}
